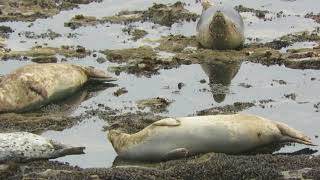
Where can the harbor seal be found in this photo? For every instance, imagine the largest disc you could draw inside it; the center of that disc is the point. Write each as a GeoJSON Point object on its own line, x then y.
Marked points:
{"type": "Point", "coordinates": [33, 86]}
{"type": "Point", "coordinates": [24, 147]}
{"type": "Point", "coordinates": [220, 27]}
{"type": "Point", "coordinates": [173, 138]}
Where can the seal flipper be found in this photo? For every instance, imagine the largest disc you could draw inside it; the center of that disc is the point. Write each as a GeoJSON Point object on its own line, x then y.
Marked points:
{"type": "Point", "coordinates": [97, 75]}
{"type": "Point", "coordinates": [292, 135]}
{"type": "Point", "coordinates": [64, 150]}
{"type": "Point", "coordinates": [67, 151]}
{"type": "Point", "coordinates": [37, 88]}
{"type": "Point", "coordinates": [176, 154]}
{"type": "Point", "coordinates": [167, 122]}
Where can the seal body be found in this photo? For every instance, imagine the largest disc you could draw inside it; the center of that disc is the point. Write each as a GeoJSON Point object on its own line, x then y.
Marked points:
{"type": "Point", "coordinates": [220, 27]}
{"type": "Point", "coordinates": [36, 85]}
{"type": "Point", "coordinates": [173, 138]}
{"type": "Point", "coordinates": [24, 146]}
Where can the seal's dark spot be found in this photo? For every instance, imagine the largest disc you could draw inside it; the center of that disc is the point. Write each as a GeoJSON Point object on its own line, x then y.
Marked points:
{"type": "Point", "coordinates": [259, 134]}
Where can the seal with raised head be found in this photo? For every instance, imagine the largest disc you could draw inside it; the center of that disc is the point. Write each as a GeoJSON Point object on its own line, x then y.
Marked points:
{"type": "Point", "coordinates": [173, 138]}
{"type": "Point", "coordinates": [33, 86]}
{"type": "Point", "coordinates": [24, 146]}
{"type": "Point", "coordinates": [220, 27]}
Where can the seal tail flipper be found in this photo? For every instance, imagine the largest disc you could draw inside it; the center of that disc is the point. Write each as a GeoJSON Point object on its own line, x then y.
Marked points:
{"type": "Point", "coordinates": [97, 75]}
{"type": "Point", "coordinates": [292, 135]}
{"type": "Point", "coordinates": [64, 150]}
{"type": "Point", "coordinates": [67, 151]}
{"type": "Point", "coordinates": [176, 154]}
{"type": "Point", "coordinates": [167, 122]}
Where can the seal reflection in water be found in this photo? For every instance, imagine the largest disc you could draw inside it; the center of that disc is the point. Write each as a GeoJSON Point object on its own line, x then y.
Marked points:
{"type": "Point", "coordinates": [33, 86]}
{"type": "Point", "coordinates": [220, 75]}
{"type": "Point", "coordinates": [173, 138]}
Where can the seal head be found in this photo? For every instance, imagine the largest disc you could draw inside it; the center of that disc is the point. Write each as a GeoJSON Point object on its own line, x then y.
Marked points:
{"type": "Point", "coordinates": [220, 27]}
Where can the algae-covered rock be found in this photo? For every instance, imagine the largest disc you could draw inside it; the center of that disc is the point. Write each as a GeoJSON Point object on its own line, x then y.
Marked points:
{"type": "Point", "coordinates": [30, 10]}
{"type": "Point", "coordinates": [177, 43]}
{"type": "Point", "coordinates": [258, 13]}
{"type": "Point", "coordinates": [167, 15]}
{"type": "Point", "coordinates": [141, 54]}
{"type": "Point", "coordinates": [140, 61]}
{"type": "Point", "coordinates": [305, 58]}
{"type": "Point", "coordinates": [45, 59]}
{"type": "Point", "coordinates": [156, 105]}
{"type": "Point", "coordinates": [135, 33]}
{"type": "Point", "coordinates": [162, 14]}
{"type": "Point", "coordinates": [41, 53]}
{"type": "Point", "coordinates": [124, 17]}
{"type": "Point", "coordinates": [49, 34]}
{"type": "Point", "coordinates": [290, 39]}
{"type": "Point", "coordinates": [5, 31]}
{"type": "Point", "coordinates": [228, 109]}
{"type": "Point", "coordinates": [315, 17]}
{"type": "Point", "coordinates": [81, 20]}
{"type": "Point", "coordinates": [120, 92]}
{"type": "Point", "coordinates": [36, 122]}
{"type": "Point", "coordinates": [206, 166]}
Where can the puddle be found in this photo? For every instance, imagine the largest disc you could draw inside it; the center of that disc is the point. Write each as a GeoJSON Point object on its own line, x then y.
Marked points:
{"type": "Point", "coordinates": [225, 80]}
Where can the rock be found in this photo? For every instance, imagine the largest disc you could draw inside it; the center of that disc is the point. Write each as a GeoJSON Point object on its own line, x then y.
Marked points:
{"type": "Point", "coordinates": [156, 105]}
{"type": "Point", "coordinates": [120, 92]}
{"type": "Point", "coordinates": [45, 59]}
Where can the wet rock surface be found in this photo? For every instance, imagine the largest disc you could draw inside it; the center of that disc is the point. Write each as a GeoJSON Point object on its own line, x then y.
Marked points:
{"type": "Point", "coordinates": [49, 35]}
{"type": "Point", "coordinates": [135, 33]}
{"type": "Point", "coordinates": [43, 54]}
{"type": "Point", "coordinates": [228, 109]}
{"type": "Point", "coordinates": [162, 14]}
{"type": "Point", "coordinates": [25, 10]}
{"type": "Point", "coordinates": [258, 13]}
{"type": "Point", "coordinates": [207, 166]}
{"type": "Point", "coordinates": [156, 105]}
{"type": "Point", "coordinates": [36, 122]}
{"type": "Point", "coordinates": [315, 17]}
{"type": "Point", "coordinates": [5, 31]}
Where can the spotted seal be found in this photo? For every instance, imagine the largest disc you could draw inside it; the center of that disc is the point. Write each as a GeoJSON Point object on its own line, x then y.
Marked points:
{"type": "Point", "coordinates": [220, 27]}
{"type": "Point", "coordinates": [35, 85]}
{"type": "Point", "coordinates": [173, 138]}
{"type": "Point", "coordinates": [24, 146]}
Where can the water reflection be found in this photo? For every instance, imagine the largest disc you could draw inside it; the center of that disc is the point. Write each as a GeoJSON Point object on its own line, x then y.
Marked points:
{"type": "Point", "coordinates": [220, 75]}
{"type": "Point", "coordinates": [70, 104]}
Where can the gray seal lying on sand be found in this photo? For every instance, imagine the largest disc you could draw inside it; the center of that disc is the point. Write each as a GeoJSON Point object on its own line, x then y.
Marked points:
{"type": "Point", "coordinates": [24, 146]}
{"type": "Point", "coordinates": [220, 27]}
{"type": "Point", "coordinates": [173, 138]}
{"type": "Point", "coordinates": [36, 85]}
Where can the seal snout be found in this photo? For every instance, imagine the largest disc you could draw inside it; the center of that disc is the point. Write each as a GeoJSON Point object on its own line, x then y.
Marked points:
{"type": "Point", "coordinates": [219, 18]}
